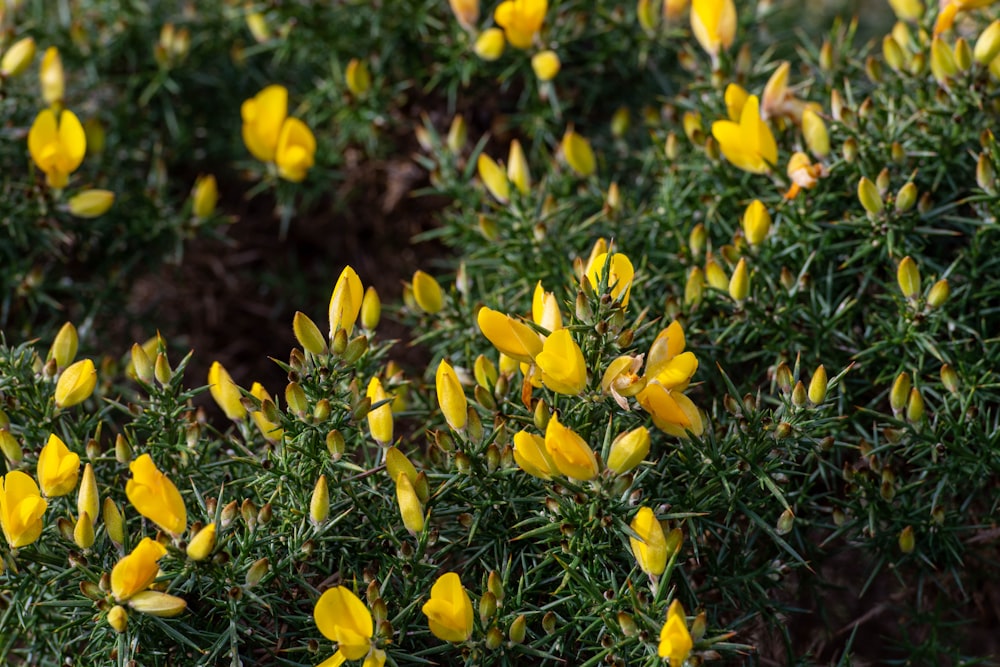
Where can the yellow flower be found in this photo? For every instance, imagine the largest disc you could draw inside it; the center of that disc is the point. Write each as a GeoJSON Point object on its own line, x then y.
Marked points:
{"type": "Point", "coordinates": [561, 362]}
{"type": "Point", "coordinates": [466, 12]}
{"type": "Point", "coordinates": [18, 57]}
{"type": "Point", "coordinates": [76, 384]}
{"type": "Point", "coordinates": [908, 278]}
{"type": "Point", "coordinates": [296, 150]}
{"type": "Point", "coordinates": [155, 496]}
{"type": "Point", "coordinates": [410, 509]}
{"type": "Point", "coordinates": [621, 379]}
{"type": "Point", "coordinates": [21, 509]}
{"type": "Point", "coordinates": [156, 603]}
{"type": "Point", "coordinates": [271, 431]}
{"type": "Point", "coordinates": [667, 363]}
{"type": "Point", "coordinates": [907, 10]}
{"type": "Point", "coordinates": [135, 572]}
{"type": "Point", "coordinates": [514, 339]}
{"type": "Point", "coordinates": [88, 500]}
{"type": "Point", "coordinates": [532, 457]}
{"type": "Point", "coordinates": [739, 283]}
{"type": "Point", "coordinates": [449, 609]}
{"type": "Point", "coordinates": [735, 96]}
{"type": "Point", "coordinates": [620, 275]}
{"type": "Point", "coordinates": [205, 197]}
{"type": "Point", "coordinates": [202, 544]}
{"type": "Point", "coordinates": [521, 20]}
{"type": "Point", "coordinates": [749, 144]}
{"type": "Point", "coordinates": [118, 618]}
{"type": "Point", "coordinates": [571, 454]}
{"type": "Point", "coordinates": [650, 549]}
{"type": "Point", "coordinates": [518, 172]}
{"type": "Point", "coordinates": [57, 147]}
{"type": "Point", "coordinates": [225, 392]}
{"type": "Point", "coordinates": [672, 411]}
{"type": "Point", "coordinates": [713, 23]}
{"type": "Point", "coordinates": [489, 45]}
{"type": "Point", "coordinates": [675, 640]}
{"type": "Point", "coordinates": [380, 418]}
{"type": "Point", "coordinates": [319, 504]}
{"type": "Point", "coordinates": [545, 309]}
{"type": "Point", "coordinates": [65, 345]}
{"type": "Point", "coordinates": [358, 77]}
{"type": "Point", "coordinates": [756, 222]}
{"type": "Point", "coordinates": [343, 618]}
{"type": "Point", "coordinates": [578, 154]}
{"type": "Point", "coordinates": [345, 302]}
{"type": "Point", "coordinates": [427, 293]}
{"type": "Point", "coordinates": [263, 116]}
{"type": "Point", "coordinates": [451, 397]}
{"type": "Point", "coordinates": [815, 133]}
{"type": "Point", "coordinates": [52, 78]}
{"type": "Point", "coordinates": [91, 203]}
{"type": "Point", "coordinates": [58, 468]}
{"type": "Point", "coordinates": [546, 65]}
{"type": "Point", "coordinates": [628, 450]}
{"type": "Point", "coordinates": [493, 177]}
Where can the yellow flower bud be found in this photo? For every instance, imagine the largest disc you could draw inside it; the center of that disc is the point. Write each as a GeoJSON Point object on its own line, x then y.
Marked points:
{"type": "Point", "coordinates": [466, 12]}
{"type": "Point", "coordinates": [532, 457]}
{"type": "Point", "coordinates": [691, 121]}
{"type": "Point", "coordinates": [493, 177]}
{"type": "Point", "coordinates": [906, 197]}
{"type": "Point", "coordinates": [308, 334]}
{"type": "Point", "coordinates": [319, 506]}
{"type": "Point", "coordinates": [155, 496]}
{"type": "Point", "coordinates": [907, 10]}
{"type": "Point", "coordinates": [76, 384]}
{"type": "Point", "coordinates": [645, 12]}
{"type": "Point", "coordinates": [675, 640]}
{"type": "Point", "coordinates": [91, 203]}
{"type": "Point", "coordinates": [869, 196]}
{"type": "Point", "coordinates": [817, 385]}
{"type": "Point", "coordinates": [135, 572]}
{"type": "Point", "coordinates": [739, 284]}
{"type": "Point", "coordinates": [915, 406]}
{"type": "Point", "coordinates": [225, 392]}
{"type": "Point", "coordinates": [205, 197]}
{"type": "Point", "coordinates": [963, 54]}
{"type": "Point", "coordinates": [88, 500]}
{"type": "Point", "coordinates": [358, 77]}
{"type": "Point", "coordinates": [17, 58]}
{"type": "Point", "coordinates": [514, 339]}
{"type": "Point", "coordinates": [694, 288]}
{"type": "Point", "coordinates": [735, 97]}
{"type": "Point", "coordinates": [906, 540]}
{"type": "Point", "coordinates": [21, 509]}
{"type": "Point", "coordinates": [943, 65]}
{"type": "Point", "coordinates": [345, 302]}
{"type": "Point", "coordinates": [450, 395]}
{"type": "Point", "coordinates": [716, 275]}
{"type": "Point", "coordinates": [572, 456]}
{"type": "Point", "coordinates": [815, 133]}
{"type": "Point", "coordinates": [620, 274]}
{"type": "Point", "coordinates": [620, 122]}
{"type": "Point", "coordinates": [562, 365]}
{"type": "Point", "coordinates": [939, 293]}
{"type": "Point", "coordinates": [546, 65]}
{"type": "Point", "coordinates": [650, 548]}
{"type": "Point", "coordinates": [987, 46]}
{"type": "Point", "coordinates": [202, 544]}
{"type": "Point", "coordinates": [893, 53]}
{"type": "Point", "coordinates": [156, 603]}
{"type": "Point", "coordinates": [58, 468]}
{"type": "Point", "coordinates": [449, 609]}
{"type": "Point", "coordinates": [713, 24]}
{"type": "Point", "coordinates": [908, 277]}
{"type": "Point", "coordinates": [518, 172]}
{"type": "Point", "coordinates": [696, 240]}
{"type": "Point", "coordinates": [410, 509]}
{"type": "Point", "coordinates": [490, 44]}
{"type": "Point", "coordinates": [83, 532]}
{"type": "Point", "coordinates": [64, 346]}
{"type": "Point", "coordinates": [756, 222]}
{"type": "Point", "coordinates": [113, 522]}
{"type": "Point", "coordinates": [379, 418]}
{"type": "Point", "coordinates": [458, 134]}
{"type": "Point", "coordinates": [628, 450]}
{"type": "Point", "coordinates": [118, 618]}
{"type": "Point", "coordinates": [578, 154]}
{"type": "Point", "coordinates": [900, 392]}
{"type": "Point", "coordinates": [10, 447]}
{"type": "Point", "coordinates": [51, 77]}
{"type": "Point", "coordinates": [427, 293]}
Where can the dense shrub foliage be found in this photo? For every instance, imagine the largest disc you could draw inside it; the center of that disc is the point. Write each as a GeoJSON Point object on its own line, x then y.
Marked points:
{"type": "Point", "coordinates": [701, 368]}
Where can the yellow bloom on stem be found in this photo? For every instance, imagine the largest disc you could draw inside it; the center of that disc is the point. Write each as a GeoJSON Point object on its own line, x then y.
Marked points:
{"type": "Point", "coordinates": [271, 431]}
{"type": "Point", "coordinates": [57, 146]}
{"type": "Point", "coordinates": [449, 609]}
{"type": "Point", "coordinates": [518, 172]}
{"type": "Point", "coordinates": [514, 339]}
{"type": "Point", "coordinates": [296, 150]}
{"type": "Point", "coordinates": [21, 509]}
{"type": "Point", "coordinates": [571, 454]}
{"type": "Point", "coordinates": [532, 457]}
{"type": "Point", "coordinates": [88, 500]}
{"type": "Point", "coordinates": [756, 222]}
{"type": "Point", "coordinates": [545, 309]}
{"type": "Point", "coordinates": [410, 509]}
{"type": "Point", "coordinates": [628, 450]}
{"type": "Point", "coordinates": [427, 293]}
{"type": "Point", "coordinates": [620, 275]}
{"type": "Point", "coordinates": [358, 77]}
{"type": "Point", "coordinates": [225, 392]}
{"type": "Point", "coordinates": [91, 203]}
{"type": "Point", "coordinates": [650, 549]}
{"type": "Point", "coordinates": [17, 58]}
{"type": "Point", "coordinates": [667, 363]}
{"type": "Point", "coordinates": [52, 78]}
{"type": "Point", "coordinates": [621, 379]}
{"type": "Point", "coordinates": [675, 640]}
{"type": "Point", "coordinates": [159, 604]}
{"type": "Point", "coordinates": [202, 544]}
{"type": "Point", "coordinates": [135, 572]}
{"type": "Point", "coordinates": [155, 496]}
{"type": "Point", "coordinates": [713, 23]}
{"type": "Point", "coordinates": [76, 384]}
{"type": "Point", "coordinates": [735, 96]}
{"type": "Point", "coordinates": [578, 154]}
{"type": "Point", "coordinates": [749, 144]}
{"type": "Point", "coordinates": [671, 410]}
{"type": "Point", "coordinates": [493, 177]}
{"type": "Point", "coordinates": [343, 618]}
{"type": "Point", "coordinates": [546, 65]}
{"type": "Point", "coordinates": [451, 396]}
{"type": "Point", "coordinates": [521, 20]}
{"type": "Point", "coordinates": [263, 115]}
{"type": "Point", "coordinates": [561, 362]}
{"type": "Point", "coordinates": [345, 302]}
{"type": "Point", "coordinates": [380, 418]}
{"type": "Point", "coordinates": [489, 45]}
{"type": "Point", "coordinates": [58, 468]}
{"type": "Point", "coordinates": [466, 12]}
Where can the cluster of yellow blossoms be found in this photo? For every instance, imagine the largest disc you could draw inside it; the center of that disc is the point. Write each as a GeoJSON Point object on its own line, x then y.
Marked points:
{"type": "Point", "coordinates": [518, 23]}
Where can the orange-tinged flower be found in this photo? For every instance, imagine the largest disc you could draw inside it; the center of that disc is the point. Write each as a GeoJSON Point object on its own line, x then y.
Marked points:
{"type": "Point", "coordinates": [749, 144]}
{"type": "Point", "coordinates": [562, 365]}
{"type": "Point", "coordinates": [521, 20]}
{"type": "Point", "coordinates": [571, 454]}
{"type": "Point", "coordinates": [804, 174]}
{"type": "Point", "coordinates": [675, 640]}
{"type": "Point", "coordinates": [57, 146]}
{"type": "Point", "coordinates": [225, 392]}
{"type": "Point", "coordinates": [345, 302]}
{"type": "Point", "coordinates": [21, 509]}
{"type": "Point", "coordinates": [263, 115]}
{"type": "Point", "coordinates": [451, 396]}
{"type": "Point", "coordinates": [155, 496]}
{"type": "Point", "coordinates": [466, 12]}
{"type": "Point", "coordinates": [620, 275]}
{"type": "Point", "coordinates": [449, 609]}
{"type": "Point", "coordinates": [650, 549]}
{"type": "Point", "coordinates": [532, 457]}
{"type": "Point", "coordinates": [621, 379]}
{"type": "Point", "coordinates": [135, 572]}
{"type": "Point", "coordinates": [713, 23]}
{"type": "Point", "coordinates": [514, 339]}
{"type": "Point", "coordinates": [545, 309]}
{"type": "Point", "coordinates": [58, 468]}
{"type": "Point", "coordinates": [296, 150]}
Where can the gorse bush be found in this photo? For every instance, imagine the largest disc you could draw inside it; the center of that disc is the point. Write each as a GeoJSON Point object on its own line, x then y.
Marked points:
{"type": "Point", "coordinates": [704, 362]}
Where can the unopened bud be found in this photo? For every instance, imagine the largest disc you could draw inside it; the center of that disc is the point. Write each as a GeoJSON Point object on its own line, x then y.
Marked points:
{"type": "Point", "coordinates": [938, 294]}
{"type": "Point", "coordinates": [907, 541]}
{"type": "Point", "coordinates": [915, 406]}
{"type": "Point", "coordinates": [869, 197]}
{"type": "Point", "coordinates": [257, 572]}
{"type": "Point", "coordinates": [949, 378]}
{"type": "Point", "coordinates": [785, 522]}
{"type": "Point", "coordinates": [906, 197]}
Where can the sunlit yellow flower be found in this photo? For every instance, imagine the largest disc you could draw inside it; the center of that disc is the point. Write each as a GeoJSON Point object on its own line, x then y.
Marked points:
{"type": "Point", "coordinates": [713, 23]}
{"type": "Point", "coordinates": [650, 549]}
{"type": "Point", "coordinates": [263, 115]}
{"type": "Point", "coordinates": [620, 275]}
{"type": "Point", "coordinates": [225, 392]}
{"type": "Point", "coordinates": [735, 96]}
{"type": "Point", "coordinates": [65, 345]}
{"type": "Point", "coordinates": [21, 509]}
{"type": "Point", "coordinates": [518, 172]}
{"type": "Point", "coordinates": [343, 618]}
{"type": "Point", "coordinates": [466, 12]}
{"type": "Point", "coordinates": [135, 572]}
{"type": "Point", "coordinates": [202, 544]}
{"type": "Point", "coordinates": [667, 363]}
{"type": "Point", "coordinates": [58, 468]}
{"type": "Point", "coordinates": [621, 379]}
{"type": "Point", "coordinates": [907, 10]}
{"type": "Point", "coordinates": [562, 365]}
{"type": "Point", "coordinates": [514, 339]}
{"type": "Point", "coordinates": [88, 500]}
{"type": "Point", "coordinates": [451, 396]}
{"type": "Point", "coordinates": [57, 147]}
{"type": "Point", "coordinates": [319, 503]}
{"type": "Point", "coordinates": [410, 508]}
{"type": "Point", "coordinates": [578, 154]}
{"type": "Point", "coordinates": [296, 150]}
{"type": "Point", "coordinates": [449, 609]}
{"type": "Point", "coordinates": [571, 454]}
{"type": "Point", "coordinates": [380, 418]}
{"type": "Point", "coordinates": [155, 496]}
{"type": "Point", "coordinates": [532, 457]}
{"type": "Point", "coordinates": [756, 222]}
{"type": "Point", "coordinates": [675, 640]}
{"type": "Point", "coordinates": [493, 177]}
{"type": "Point", "coordinates": [427, 293]}
{"type": "Point", "coordinates": [546, 65]}
{"type": "Point", "coordinates": [628, 450]}
{"type": "Point", "coordinates": [345, 302]}
{"type": "Point", "coordinates": [749, 144]}
{"type": "Point", "coordinates": [671, 410]}
{"type": "Point", "coordinates": [76, 384]}
{"type": "Point", "coordinates": [521, 20]}
{"type": "Point", "coordinates": [545, 309]}
{"type": "Point", "coordinates": [489, 45]}
{"type": "Point", "coordinates": [739, 283]}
